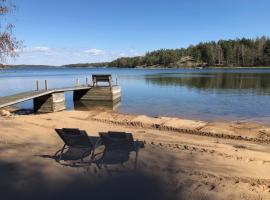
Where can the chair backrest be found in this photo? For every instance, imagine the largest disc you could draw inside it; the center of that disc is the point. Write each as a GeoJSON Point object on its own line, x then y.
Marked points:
{"type": "Point", "coordinates": [117, 140]}
{"type": "Point", "coordinates": [74, 137]}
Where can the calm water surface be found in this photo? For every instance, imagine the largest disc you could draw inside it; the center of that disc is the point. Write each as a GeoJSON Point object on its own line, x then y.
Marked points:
{"type": "Point", "coordinates": [207, 94]}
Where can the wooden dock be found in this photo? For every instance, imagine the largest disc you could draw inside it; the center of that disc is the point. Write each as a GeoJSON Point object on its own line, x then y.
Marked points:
{"type": "Point", "coordinates": [21, 97]}
{"type": "Point", "coordinates": [53, 100]}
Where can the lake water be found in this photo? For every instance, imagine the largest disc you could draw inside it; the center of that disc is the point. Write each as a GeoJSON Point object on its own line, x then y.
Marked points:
{"type": "Point", "coordinates": [206, 94]}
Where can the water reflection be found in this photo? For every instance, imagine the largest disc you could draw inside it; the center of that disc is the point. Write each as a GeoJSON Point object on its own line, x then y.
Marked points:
{"type": "Point", "coordinates": [97, 105]}
{"type": "Point", "coordinates": [258, 82]}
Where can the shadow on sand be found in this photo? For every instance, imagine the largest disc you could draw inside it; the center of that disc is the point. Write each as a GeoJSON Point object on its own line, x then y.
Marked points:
{"type": "Point", "coordinates": [137, 185]}
{"type": "Point", "coordinates": [42, 180]}
{"type": "Point", "coordinates": [158, 176]}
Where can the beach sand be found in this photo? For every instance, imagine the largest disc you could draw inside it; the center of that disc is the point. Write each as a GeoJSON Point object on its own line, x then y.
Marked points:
{"type": "Point", "coordinates": [182, 159]}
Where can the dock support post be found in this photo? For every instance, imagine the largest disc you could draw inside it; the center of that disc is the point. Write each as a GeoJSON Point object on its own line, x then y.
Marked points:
{"type": "Point", "coordinates": [110, 81]}
{"type": "Point", "coordinates": [37, 85]}
{"type": "Point", "coordinates": [77, 82]}
{"type": "Point", "coordinates": [94, 81]}
{"type": "Point", "coordinates": [46, 85]}
{"type": "Point", "coordinates": [86, 81]}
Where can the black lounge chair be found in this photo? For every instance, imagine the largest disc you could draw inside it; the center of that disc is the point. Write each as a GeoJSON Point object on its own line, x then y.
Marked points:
{"type": "Point", "coordinates": [118, 146]}
{"type": "Point", "coordinates": [74, 140]}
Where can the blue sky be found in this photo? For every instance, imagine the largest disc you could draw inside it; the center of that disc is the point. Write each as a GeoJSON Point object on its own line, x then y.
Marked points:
{"type": "Point", "coordinates": [57, 32]}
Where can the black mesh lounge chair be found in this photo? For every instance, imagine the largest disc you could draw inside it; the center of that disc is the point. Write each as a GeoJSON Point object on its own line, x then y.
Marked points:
{"type": "Point", "coordinates": [74, 140]}
{"type": "Point", "coordinates": [118, 146]}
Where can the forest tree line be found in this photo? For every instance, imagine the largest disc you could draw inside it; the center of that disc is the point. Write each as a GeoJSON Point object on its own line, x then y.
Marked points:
{"type": "Point", "coordinates": [239, 52]}
{"type": "Point", "coordinates": [223, 53]}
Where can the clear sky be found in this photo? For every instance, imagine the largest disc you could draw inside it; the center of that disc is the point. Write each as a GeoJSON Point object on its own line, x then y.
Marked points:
{"type": "Point", "coordinates": [57, 32]}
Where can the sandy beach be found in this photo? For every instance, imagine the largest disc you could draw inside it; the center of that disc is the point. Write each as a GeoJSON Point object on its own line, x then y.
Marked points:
{"type": "Point", "coordinates": [181, 159]}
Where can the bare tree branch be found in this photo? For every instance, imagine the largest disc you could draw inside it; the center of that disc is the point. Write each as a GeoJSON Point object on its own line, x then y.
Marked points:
{"type": "Point", "coordinates": [9, 45]}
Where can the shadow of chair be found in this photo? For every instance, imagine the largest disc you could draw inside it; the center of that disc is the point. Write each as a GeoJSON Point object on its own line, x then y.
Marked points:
{"type": "Point", "coordinates": [118, 147]}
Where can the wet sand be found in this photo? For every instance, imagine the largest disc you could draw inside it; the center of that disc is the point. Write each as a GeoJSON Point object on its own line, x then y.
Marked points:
{"type": "Point", "coordinates": [182, 159]}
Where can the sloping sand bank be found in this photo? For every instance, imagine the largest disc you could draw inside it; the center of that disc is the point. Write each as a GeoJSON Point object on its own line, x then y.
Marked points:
{"type": "Point", "coordinates": [182, 159]}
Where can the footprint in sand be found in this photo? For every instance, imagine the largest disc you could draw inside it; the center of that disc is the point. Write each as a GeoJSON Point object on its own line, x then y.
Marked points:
{"type": "Point", "coordinates": [140, 131]}
{"type": "Point", "coordinates": [198, 186]}
{"type": "Point", "coordinates": [203, 150]}
{"type": "Point", "coordinates": [212, 187]}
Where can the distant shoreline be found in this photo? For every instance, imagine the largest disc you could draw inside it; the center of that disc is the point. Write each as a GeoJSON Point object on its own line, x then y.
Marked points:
{"type": "Point", "coordinates": [223, 54]}
{"type": "Point", "coordinates": [138, 67]}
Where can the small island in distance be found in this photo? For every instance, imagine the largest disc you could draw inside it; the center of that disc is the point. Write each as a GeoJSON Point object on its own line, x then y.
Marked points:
{"type": "Point", "coordinates": [223, 53]}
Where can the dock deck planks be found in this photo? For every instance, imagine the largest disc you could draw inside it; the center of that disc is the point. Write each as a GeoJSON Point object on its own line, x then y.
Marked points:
{"type": "Point", "coordinates": [24, 96]}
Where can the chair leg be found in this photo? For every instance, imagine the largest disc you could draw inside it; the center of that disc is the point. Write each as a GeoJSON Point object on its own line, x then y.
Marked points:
{"type": "Point", "coordinates": [99, 163]}
{"type": "Point", "coordinates": [98, 142]}
{"type": "Point", "coordinates": [93, 153]}
{"type": "Point", "coordinates": [61, 153]}
{"type": "Point", "coordinates": [136, 159]}
{"type": "Point", "coordinates": [90, 151]}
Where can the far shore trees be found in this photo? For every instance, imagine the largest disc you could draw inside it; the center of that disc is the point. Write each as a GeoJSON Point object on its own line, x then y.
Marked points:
{"type": "Point", "coordinates": [8, 42]}
{"type": "Point", "coordinates": [239, 52]}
